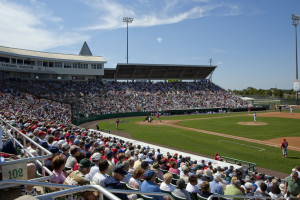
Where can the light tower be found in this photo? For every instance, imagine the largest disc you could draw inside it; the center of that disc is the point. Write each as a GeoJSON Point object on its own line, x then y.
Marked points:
{"type": "Point", "coordinates": [296, 19]}
{"type": "Point", "coordinates": [127, 20]}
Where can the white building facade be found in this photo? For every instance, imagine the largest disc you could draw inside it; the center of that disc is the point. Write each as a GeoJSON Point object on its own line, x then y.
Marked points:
{"type": "Point", "coordinates": [36, 65]}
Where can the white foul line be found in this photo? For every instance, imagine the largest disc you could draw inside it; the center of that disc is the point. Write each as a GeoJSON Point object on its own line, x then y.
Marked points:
{"type": "Point", "coordinates": [261, 149]}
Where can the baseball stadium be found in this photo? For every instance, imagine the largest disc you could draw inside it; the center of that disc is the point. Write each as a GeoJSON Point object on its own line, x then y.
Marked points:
{"type": "Point", "coordinates": [73, 129]}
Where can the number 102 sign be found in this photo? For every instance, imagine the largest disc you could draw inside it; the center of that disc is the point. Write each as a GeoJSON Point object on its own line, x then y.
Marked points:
{"type": "Point", "coordinates": [16, 171]}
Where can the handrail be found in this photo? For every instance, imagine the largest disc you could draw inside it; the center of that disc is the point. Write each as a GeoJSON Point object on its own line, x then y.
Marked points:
{"type": "Point", "coordinates": [45, 153]}
{"type": "Point", "coordinates": [241, 197]}
{"type": "Point", "coordinates": [251, 165]}
{"type": "Point", "coordinates": [139, 192]}
{"type": "Point", "coordinates": [74, 189]}
{"type": "Point", "coordinates": [71, 189]}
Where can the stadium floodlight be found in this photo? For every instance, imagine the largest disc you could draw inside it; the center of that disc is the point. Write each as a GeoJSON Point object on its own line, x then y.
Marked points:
{"type": "Point", "coordinates": [127, 20]}
{"type": "Point", "coordinates": [296, 19]}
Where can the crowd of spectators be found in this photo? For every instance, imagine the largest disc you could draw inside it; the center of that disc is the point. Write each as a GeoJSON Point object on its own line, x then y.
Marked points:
{"type": "Point", "coordinates": [83, 156]}
{"type": "Point", "coordinates": [101, 97]}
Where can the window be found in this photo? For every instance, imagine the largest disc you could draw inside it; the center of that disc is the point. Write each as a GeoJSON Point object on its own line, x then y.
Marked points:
{"type": "Point", "coordinates": [39, 63]}
{"type": "Point", "coordinates": [96, 66]}
{"type": "Point", "coordinates": [19, 61]}
{"type": "Point", "coordinates": [13, 61]}
{"type": "Point", "coordinates": [45, 64]}
{"type": "Point", "coordinates": [67, 65]}
{"type": "Point", "coordinates": [29, 62]}
{"type": "Point", "coordinates": [58, 64]}
{"type": "Point", "coordinates": [75, 65]}
{"type": "Point", "coordinates": [4, 59]}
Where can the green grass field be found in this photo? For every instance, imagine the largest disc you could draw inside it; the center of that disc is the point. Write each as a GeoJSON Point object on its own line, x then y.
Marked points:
{"type": "Point", "coordinates": [264, 156]}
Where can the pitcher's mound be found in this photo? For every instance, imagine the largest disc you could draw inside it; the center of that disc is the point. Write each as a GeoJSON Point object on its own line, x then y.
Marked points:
{"type": "Point", "coordinates": [253, 123]}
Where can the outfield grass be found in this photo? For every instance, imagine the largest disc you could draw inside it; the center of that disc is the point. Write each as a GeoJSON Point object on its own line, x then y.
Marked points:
{"type": "Point", "coordinates": [263, 156]}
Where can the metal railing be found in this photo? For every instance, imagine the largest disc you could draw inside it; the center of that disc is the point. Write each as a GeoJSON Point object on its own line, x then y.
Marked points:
{"type": "Point", "coordinates": [249, 165]}
{"type": "Point", "coordinates": [14, 134]}
{"type": "Point", "coordinates": [71, 189]}
{"type": "Point", "coordinates": [244, 197]}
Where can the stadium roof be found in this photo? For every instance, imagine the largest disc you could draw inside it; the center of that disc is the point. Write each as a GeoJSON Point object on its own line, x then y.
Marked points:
{"type": "Point", "coordinates": [85, 50]}
{"type": "Point", "coordinates": [133, 71]}
{"type": "Point", "coordinates": [49, 56]}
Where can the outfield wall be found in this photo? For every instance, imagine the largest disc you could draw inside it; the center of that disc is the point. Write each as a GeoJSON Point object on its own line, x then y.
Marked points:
{"type": "Point", "coordinates": [82, 120]}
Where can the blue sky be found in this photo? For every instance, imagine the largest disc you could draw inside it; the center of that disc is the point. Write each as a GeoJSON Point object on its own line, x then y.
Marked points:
{"type": "Point", "coordinates": [252, 42]}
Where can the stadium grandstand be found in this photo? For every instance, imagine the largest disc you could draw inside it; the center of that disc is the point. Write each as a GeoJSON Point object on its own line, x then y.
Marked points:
{"type": "Point", "coordinates": [44, 155]}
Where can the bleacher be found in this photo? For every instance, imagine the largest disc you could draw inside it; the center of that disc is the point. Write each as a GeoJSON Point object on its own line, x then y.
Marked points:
{"type": "Point", "coordinates": [22, 114]}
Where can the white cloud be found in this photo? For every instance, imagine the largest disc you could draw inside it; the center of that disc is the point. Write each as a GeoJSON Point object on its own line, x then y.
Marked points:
{"type": "Point", "coordinates": [159, 39]}
{"type": "Point", "coordinates": [218, 51]}
{"type": "Point", "coordinates": [220, 63]}
{"type": "Point", "coordinates": [26, 27]}
{"type": "Point", "coordinates": [154, 13]}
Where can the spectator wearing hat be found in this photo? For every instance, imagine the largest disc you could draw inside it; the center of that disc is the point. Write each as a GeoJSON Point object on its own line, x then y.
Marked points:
{"type": "Point", "coordinates": [149, 159]}
{"type": "Point", "coordinates": [145, 165]}
{"type": "Point", "coordinates": [156, 168]}
{"type": "Point", "coordinates": [78, 178]}
{"type": "Point", "coordinates": [149, 185]}
{"type": "Point", "coordinates": [185, 175]}
{"type": "Point", "coordinates": [173, 168]}
{"type": "Point", "coordinates": [192, 185]}
{"type": "Point", "coordinates": [134, 181]}
{"type": "Point", "coordinates": [74, 150]}
{"type": "Point", "coordinates": [249, 189]}
{"type": "Point", "coordinates": [215, 187]}
{"type": "Point", "coordinates": [164, 165]}
{"type": "Point", "coordinates": [33, 148]}
{"type": "Point", "coordinates": [180, 191]}
{"type": "Point", "coordinates": [131, 164]}
{"type": "Point", "coordinates": [78, 157]}
{"type": "Point", "coordinates": [42, 136]}
{"type": "Point", "coordinates": [71, 140]}
{"type": "Point", "coordinates": [58, 165]}
{"type": "Point", "coordinates": [166, 184]}
{"type": "Point", "coordinates": [48, 161]}
{"type": "Point", "coordinates": [207, 175]}
{"type": "Point", "coordinates": [109, 157]}
{"type": "Point", "coordinates": [114, 182]}
{"type": "Point", "coordinates": [77, 143]}
{"type": "Point", "coordinates": [99, 177]}
{"type": "Point", "coordinates": [65, 150]}
{"type": "Point", "coordinates": [96, 157]}
{"type": "Point", "coordinates": [138, 163]}
{"type": "Point", "coordinates": [128, 176]}
{"type": "Point", "coordinates": [60, 143]}
{"type": "Point", "coordinates": [86, 150]}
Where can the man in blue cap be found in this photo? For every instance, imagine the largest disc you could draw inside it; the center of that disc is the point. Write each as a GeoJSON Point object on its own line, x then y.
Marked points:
{"type": "Point", "coordinates": [114, 182]}
{"type": "Point", "coordinates": [149, 184]}
{"type": "Point", "coordinates": [86, 150]}
{"type": "Point", "coordinates": [55, 151]}
{"type": "Point", "coordinates": [149, 159]}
